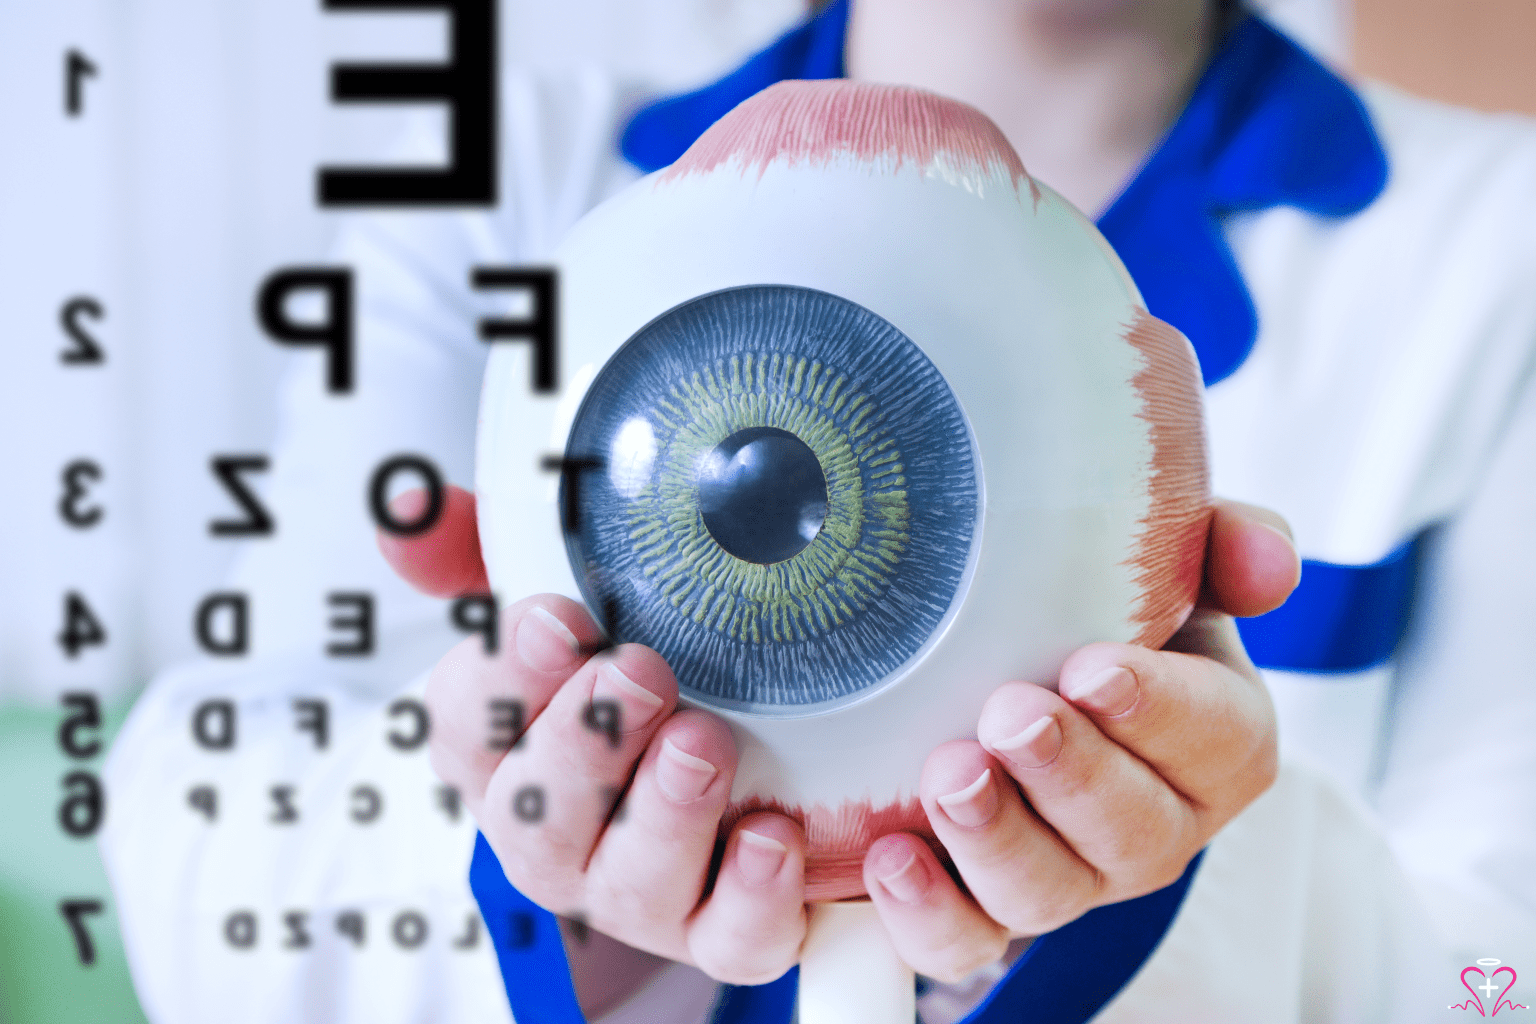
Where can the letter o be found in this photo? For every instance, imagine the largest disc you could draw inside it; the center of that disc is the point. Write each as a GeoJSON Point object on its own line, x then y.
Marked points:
{"type": "Point", "coordinates": [240, 929]}
{"type": "Point", "coordinates": [378, 488]}
{"type": "Point", "coordinates": [410, 929]}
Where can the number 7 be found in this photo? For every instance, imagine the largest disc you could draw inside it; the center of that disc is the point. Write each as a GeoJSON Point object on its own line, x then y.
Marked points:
{"type": "Point", "coordinates": [74, 912]}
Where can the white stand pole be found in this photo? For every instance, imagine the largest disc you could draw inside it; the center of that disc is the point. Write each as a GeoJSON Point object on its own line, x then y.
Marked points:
{"type": "Point", "coordinates": [849, 971]}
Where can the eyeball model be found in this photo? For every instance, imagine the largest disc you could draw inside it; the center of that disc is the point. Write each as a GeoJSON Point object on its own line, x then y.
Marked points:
{"type": "Point", "coordinates": [859, 422]}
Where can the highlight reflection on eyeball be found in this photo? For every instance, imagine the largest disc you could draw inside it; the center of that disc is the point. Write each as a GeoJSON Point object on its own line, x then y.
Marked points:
{"type": "Point", "coordinates": [876, 423]}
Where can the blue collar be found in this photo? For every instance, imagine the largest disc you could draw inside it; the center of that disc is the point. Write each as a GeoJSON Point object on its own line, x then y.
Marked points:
{"type": "Point", "coordinates": [1267, 126]}
{"type": "Point", "coordinates": [1064, 977]}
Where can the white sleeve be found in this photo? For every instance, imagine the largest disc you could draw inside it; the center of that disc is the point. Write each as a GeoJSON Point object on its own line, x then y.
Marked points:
{"type": "Point", "coordinates": [320, 881]}
{"type": "Point", "coordinates": [281, 880]}
{"type": "Point", "coordinates": [1400, 394]}
{"type": "Point", "coordinates": [418, 366]}
{"type": "Point", "coordinates": [1312, 907]}
{"type": "Point", "coordinates": [1458, 792]}
{"type": "Point", "coordinates": [1298, 914]}
{"type": "Point", "coordinates": [419, 359]}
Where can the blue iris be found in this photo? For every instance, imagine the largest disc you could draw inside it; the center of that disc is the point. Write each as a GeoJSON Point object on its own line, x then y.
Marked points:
{"type": "Point", "coordinates": [784, 499]}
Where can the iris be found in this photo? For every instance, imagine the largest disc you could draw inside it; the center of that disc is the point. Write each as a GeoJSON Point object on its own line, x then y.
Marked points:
{"type": "Point", "coordinates": [789, 497]}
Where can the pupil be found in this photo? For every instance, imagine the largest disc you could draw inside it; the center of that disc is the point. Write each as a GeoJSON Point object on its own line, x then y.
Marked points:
{"type": "Point", "coordinates": [762, 494]}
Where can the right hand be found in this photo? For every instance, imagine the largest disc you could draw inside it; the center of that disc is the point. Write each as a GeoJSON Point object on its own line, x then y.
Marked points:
{"type": "Point", "coordinates": [642, 873]}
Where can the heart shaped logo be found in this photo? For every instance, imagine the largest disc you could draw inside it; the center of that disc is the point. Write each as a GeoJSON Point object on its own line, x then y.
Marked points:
{"type": "Point", "coordinates": [1489, 986]}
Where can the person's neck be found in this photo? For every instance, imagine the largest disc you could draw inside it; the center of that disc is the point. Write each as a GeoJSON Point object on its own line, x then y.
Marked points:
{"type": "Point", "coordinates": [1084, 89]}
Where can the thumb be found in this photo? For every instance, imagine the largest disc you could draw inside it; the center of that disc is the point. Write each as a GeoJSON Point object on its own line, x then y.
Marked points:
{"type": "Point", "coordinates": [1251, 562]}
{"type": "Point", "coordinates": [444, 560]}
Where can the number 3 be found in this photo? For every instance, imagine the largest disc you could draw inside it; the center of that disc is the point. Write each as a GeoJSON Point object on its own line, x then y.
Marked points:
{"type": "Point", "coordinates": [75, 490]}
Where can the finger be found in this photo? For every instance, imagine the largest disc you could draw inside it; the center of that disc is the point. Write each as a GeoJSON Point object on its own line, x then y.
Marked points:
{"type": "Point", "coordinates": [935, 928]}
{"type": "Point", "coordinates": [1017, 868]}
{"type": "Point", "coordinates": [1112, 809]}
{"type": "Point", "coordinates": [550, 797]}
{"type": "Point", "coordinates": [480, 702]}
{"type": "Point", "coordinates": [648, 872]}
{"type": "Point", "coordinates": [1200, 722]}
{"type": "Point", "coordinates": [751, 929]}
{"type": "Point", "coordinates": [445, 560]}
{"type": "Point", "coordinates": [1252, 564]}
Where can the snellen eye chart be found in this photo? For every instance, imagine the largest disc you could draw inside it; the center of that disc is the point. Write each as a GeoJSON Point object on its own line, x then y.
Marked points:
{"type": "Point", "coordinates": [204, 211]}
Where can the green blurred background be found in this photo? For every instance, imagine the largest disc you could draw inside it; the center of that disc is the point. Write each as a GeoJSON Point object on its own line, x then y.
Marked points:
{"type": "Point", "coordinates": [41, 978]}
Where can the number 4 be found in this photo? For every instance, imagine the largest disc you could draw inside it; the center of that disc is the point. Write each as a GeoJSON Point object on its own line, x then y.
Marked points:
{"type": "Point", "coordinates": [81, 628]}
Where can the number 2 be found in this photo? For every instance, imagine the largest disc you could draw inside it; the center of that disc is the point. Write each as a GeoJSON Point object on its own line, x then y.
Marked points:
{"type": "Point", "coordinates": [86, 350]}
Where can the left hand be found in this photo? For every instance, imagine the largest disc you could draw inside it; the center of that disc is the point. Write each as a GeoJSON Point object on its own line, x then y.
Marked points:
{"type": "Point", "coordinates": [1103, 793]}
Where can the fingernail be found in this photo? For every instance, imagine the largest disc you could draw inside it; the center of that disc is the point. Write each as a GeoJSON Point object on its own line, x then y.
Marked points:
{"type": "Point", "coordinates": [637, 705]}
{"type": "Point", "coordinates": [974, 805]}
{"type": "Point", "coordinates": [1112, 692]}
{"type": "Point", "coordinates": [544, 643]}
{"type": "Point", "coordinates": [759, 857]}
{"type": "Point", "coordinates": [1036, 746]}
{"type": "Point", "coordinates": [906, 879]}
{"type": "Point", "coordinates": [1290, 542]}
{"type": "Point", "coordinates": [682, 776]}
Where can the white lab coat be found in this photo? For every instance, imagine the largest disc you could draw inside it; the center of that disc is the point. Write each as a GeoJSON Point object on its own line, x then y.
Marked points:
{"type": "Point", "coordinates": [1390, 388]}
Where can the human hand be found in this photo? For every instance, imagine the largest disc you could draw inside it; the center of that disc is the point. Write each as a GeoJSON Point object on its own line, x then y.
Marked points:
{"type": "Point", "coordinates": [643, 877]}
{"type": "Point", "coordinates": [1099, 794]}
{"type": "Point", "coordinates": [1138, 783]}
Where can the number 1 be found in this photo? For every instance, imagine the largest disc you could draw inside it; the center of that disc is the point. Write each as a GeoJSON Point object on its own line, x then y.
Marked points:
{"type": "Point", "coordinates": [77, 67]}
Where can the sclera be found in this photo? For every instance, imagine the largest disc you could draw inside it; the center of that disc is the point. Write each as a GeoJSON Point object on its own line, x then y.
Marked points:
{"type": "Point", "coordinates": [1084, 412]}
